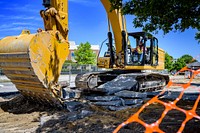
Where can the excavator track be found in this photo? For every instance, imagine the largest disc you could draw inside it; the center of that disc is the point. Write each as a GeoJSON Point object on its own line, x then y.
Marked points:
{"type": "Point", "coordinates": [115, 91]}
{"type": "Point", "coordinates": [142, 81]}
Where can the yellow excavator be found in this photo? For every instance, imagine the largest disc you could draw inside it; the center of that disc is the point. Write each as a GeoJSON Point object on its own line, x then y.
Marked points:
{"type": "Point", "coordinates": [33, 62]}
{"type": "Point", "coordinates": [125, 60]}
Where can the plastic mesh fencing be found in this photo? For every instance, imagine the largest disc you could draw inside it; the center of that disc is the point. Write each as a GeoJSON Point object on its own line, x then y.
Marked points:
{"type": "Point", "coordinates": [168, 106]}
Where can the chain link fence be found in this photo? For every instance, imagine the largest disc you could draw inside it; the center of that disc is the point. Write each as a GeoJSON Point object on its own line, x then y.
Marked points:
{"type": "Point", "coordinates": [74, 69]}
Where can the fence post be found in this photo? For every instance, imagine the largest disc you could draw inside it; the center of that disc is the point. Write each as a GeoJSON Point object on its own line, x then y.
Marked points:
{"type": "Point", "coordinates": [70, 67]}
{"type": "Point", "coordinates": [79, 67]}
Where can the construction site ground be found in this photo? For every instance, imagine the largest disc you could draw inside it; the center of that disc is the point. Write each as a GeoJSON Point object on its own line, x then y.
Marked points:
{"type": "Point", "coordinates": [19, 115]}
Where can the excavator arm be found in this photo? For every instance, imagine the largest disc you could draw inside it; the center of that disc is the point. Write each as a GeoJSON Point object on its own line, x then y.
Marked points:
{"type": "Point", "coordinates": [117, 22]}
{"type": "Point", "coordinates": [55, 16]}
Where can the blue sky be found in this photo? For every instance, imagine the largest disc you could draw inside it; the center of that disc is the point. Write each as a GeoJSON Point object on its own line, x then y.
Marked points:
{"type": "Point", "coordinates": [87, 22]}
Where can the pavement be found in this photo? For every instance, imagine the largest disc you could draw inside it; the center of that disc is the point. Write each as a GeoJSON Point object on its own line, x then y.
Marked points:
{"type": "Point", "coordinates": [7, 87]}
{"type": "Point", "coordinates": [193, 88]}
{"type": "Point", "coordinates": [69, 78]}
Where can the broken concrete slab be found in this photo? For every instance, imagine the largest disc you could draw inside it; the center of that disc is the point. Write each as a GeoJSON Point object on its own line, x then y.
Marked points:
{"type": "Point", "coordinates": [118, 84]}
{"type": "Point", "coordinates": [102, 98]}
{"type": "Point", "coordinates": [132, 101]}
{"type": "Point", "coordinates": [114, 108]}
{"type": "Point", "coordinates": [73, 106]}
{"type": "Point", "coordinates": [155, 93]}
{"type": "Point", "coordinates": [110, 103]}
{"type": "Point", "coordinates": [68, 93]}
{"type": "Point", "coordinates": [131, 94]}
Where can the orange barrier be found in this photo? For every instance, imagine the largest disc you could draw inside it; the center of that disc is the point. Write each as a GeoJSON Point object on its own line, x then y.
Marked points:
{"type": "Point", "coordinates": [154, 127]}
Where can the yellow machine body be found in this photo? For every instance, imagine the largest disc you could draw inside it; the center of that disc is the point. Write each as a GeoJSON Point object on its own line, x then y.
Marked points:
{"type": "Point", "coordinates": [118, 24]}
{"type": "Point", "coordinates": [33, 63]}
{"type": "Point", "coordinates": [104, 62]}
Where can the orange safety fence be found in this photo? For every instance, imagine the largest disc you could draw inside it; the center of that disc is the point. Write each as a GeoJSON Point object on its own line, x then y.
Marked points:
{"type": "Point", "coordinates": [154, 127]}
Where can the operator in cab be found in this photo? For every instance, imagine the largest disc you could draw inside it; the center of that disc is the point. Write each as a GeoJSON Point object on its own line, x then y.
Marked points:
{"type": "Point", "coordinates": [139, 51]}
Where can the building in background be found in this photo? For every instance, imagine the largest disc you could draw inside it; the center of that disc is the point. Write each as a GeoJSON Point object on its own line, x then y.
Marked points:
{"type": "Point", "coordinates": [73, 47]}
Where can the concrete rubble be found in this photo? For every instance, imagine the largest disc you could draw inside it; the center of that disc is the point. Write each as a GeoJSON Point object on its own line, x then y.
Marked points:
{"type": "Point", "coordinates": [118, 84]}
{"type": "Point", "coordinates": [91, 113]}
{"type": "Point", "coordinates": [117, 95]}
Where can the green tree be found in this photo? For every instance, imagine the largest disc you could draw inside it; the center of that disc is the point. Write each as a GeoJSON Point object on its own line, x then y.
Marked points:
{"type": "Point", "coordinates": [84, 54]}
{"type": "Point", "coordinates": [168, 62]}
{"type": "Point", "coordinates": [179, 64]}
{"type": "Point", "coordinates": [187, 58]}
{"type": "Point", "coordinates": [166, 15]}
{"type": "Point", "coordinates": [197, 37]}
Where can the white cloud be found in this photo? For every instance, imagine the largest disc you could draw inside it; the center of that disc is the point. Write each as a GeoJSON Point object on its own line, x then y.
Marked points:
{"type": "Point", "coordinates": [23, 23]}
{"type": "Point", "coordinates": [21, 18]}
{"type": "Point", "coordinates": [79, 1]}
{"type": "Point", "coordinates": [15, 29]}
{"type": "Point", "coordinates": [18, 26]}
{"type": "Point", "coordinates": [12, 29]}
{"type": "Point", "coordinates": [83, 2]}
{"type": "Point", "coordinates": [24, 8]}
{"type": "Point", "coordinates": [27, 18]}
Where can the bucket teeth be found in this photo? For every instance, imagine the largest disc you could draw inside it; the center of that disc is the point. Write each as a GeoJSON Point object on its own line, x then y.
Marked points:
{"type": "Point", "coordinates": [18, 68]}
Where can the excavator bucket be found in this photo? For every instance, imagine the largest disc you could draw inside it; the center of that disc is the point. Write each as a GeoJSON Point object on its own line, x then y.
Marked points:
{"type": "Point", "coordinates": [33, 63]}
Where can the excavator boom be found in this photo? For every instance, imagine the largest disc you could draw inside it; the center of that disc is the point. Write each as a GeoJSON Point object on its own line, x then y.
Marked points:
{"type": "Point", "coordinates": [55, 16]}
{"type": "Point", "coordinates": [116, 20]}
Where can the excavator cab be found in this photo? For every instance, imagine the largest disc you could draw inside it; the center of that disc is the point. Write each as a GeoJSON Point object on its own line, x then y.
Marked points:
{"type": "Point", "coordinates": [123, 52]}
{"type": "Point", "coordinates": [140, 52]}
{"type": "Point", "coordinates": [142, 49]}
